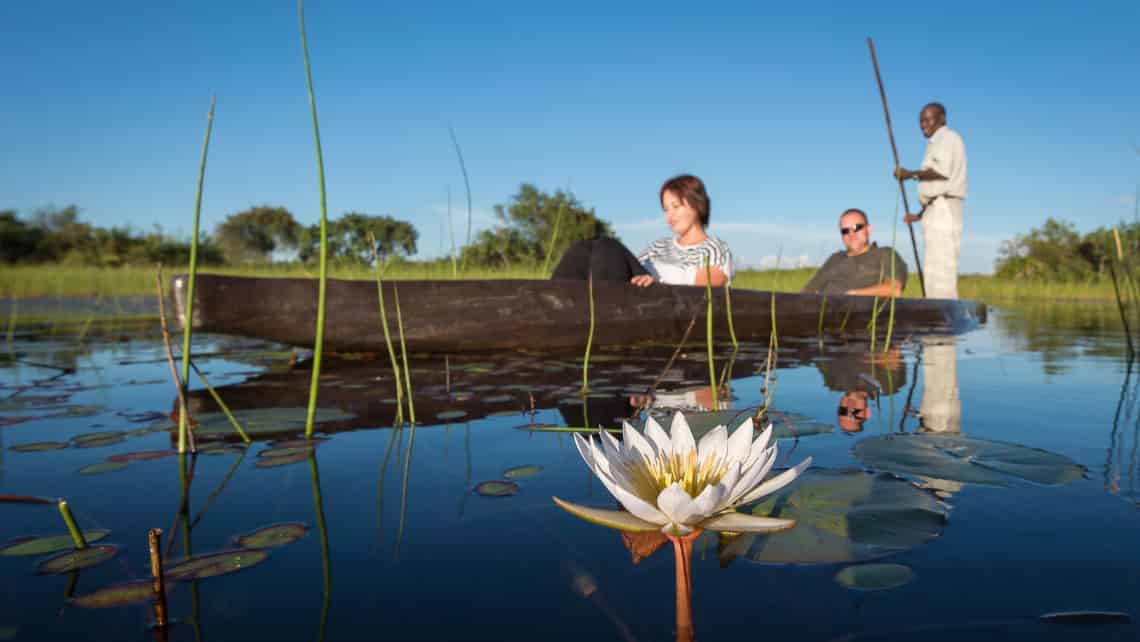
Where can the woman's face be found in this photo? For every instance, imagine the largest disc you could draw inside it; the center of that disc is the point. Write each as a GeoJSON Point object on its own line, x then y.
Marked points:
{"type": "Point", "coordinates": [678, 214]}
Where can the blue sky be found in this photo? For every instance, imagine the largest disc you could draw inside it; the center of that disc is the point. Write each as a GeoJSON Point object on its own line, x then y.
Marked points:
{"type": "Point", "coordinates": [774, 105]}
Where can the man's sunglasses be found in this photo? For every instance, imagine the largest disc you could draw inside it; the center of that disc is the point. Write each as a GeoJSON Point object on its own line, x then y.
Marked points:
{"type": "Point", "coordinates": [854, 228]}
{"type": "Point", "coordinates": [845, 411]}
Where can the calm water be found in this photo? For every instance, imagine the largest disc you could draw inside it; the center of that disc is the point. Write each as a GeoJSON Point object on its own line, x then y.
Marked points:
{"type": "Point", "coordinates": [993, 535]}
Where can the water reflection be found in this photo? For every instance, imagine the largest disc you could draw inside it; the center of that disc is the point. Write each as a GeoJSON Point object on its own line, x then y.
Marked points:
{"type": "Point", "coordinates": [861, 376]}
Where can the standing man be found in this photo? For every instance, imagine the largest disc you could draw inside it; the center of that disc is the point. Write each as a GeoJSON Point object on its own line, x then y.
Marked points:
{"type": "Point", "coordinates": [941, 190]}
{"type": "Point", "coordinates": [862, 268]}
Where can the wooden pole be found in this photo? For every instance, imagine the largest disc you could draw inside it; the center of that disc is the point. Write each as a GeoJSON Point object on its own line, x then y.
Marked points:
{"type": "Point", "coordinates": [895, 151]}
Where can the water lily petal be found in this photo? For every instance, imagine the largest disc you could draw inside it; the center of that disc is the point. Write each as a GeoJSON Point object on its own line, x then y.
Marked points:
{"type": "Point", "coordinates": [657, 435]}
{"type": "Point", "coordinates": [740, 442]}
{"type": "Point", "coordinates": [635, 441]}
{"type": "Point", "coordinates": [714, 444]}
{"type": "Point", "coordinates": [732, 487]}
{"type": "Point", "coordinates": [777, 482]}
{"type": "Point", "coordinates": [756, 452]}
{"type": "Point", "coordinates": [681, 435]}
{"type": "Point", "coordinates": [677, 505]}
{"type": "Point", "coordinates": [634, 504]}
{"type": "Point", "coordinates": [618, 519]}
{"type": "Point", "coordinates": [743, 523]}
{"type": "Point", "coordinates": [709, 501]}
{"type": "Point", "coordinates": [750, 477]}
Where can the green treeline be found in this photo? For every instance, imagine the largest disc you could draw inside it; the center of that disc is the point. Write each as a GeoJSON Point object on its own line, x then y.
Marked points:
{"type": "Point", "coordinates": [1056, 251]}
{"type": "Point", "coordinates": [532, 224]}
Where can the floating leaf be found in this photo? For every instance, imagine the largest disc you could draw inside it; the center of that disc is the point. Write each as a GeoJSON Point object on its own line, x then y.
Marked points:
{"type": "Point", "coordinates": [263, 421]}
{"type": "Point", "coordinates": [99, 443]}
{"type": "Point", "coordinates": [273, 536]}
{"type": "Point", "coordinates": [38, 446]}
{"type": "Point", "coordinates": [965, 459]}
{"type": "Point", "coordinates": [784, 426]}
{"type": "Point", "coordinates": [117, 595]}
{"type": "Point", "coordinates": [1086, 617]}
{"type": "Point", "coordinates": [96, 436]}
{"type": "Point", "coordinates": [103, 467]}
{"type": "Point", "coordinates": [841, 516]}
{"type": "Point", "coordinates": [521, 472]}
{"type": "Point", "coordinates": [214, 564]}
{"type": "Point", "coordinates": [26, 499]}
{"type": "Point", "coordinates": [142, 455]}
{"type": "Point", "coordinates": [299, 443]}
{"type": "Point", "coordinates": [228, 450]}
{"type": "Point", "coordinates": [272, 453]}
{"type": "Point", "coordinates": [49, 544]}
{"type": "Point", "coordinates": [448, 415]}
{"type": "Point", "coordinates": [77, 559]}
{"type": "Point", "coordinates": [292, 458]}
{"type": "Point", "coordinates": [498, 399]}
{"type": "Point", "coordinates": [496, 488]}
{"type": "Point", "coordinates": [874, 577]}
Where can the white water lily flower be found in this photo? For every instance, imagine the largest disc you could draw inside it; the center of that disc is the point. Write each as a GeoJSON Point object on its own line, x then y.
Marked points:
{"type": "Point", "coordinates": [670, 482]}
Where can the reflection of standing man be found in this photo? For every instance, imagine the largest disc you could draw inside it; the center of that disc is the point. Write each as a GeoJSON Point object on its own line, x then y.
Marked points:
{"type": "Point", "coordinates": [941, 409]}
{"type": "Point", "coordinates": [941, 189]}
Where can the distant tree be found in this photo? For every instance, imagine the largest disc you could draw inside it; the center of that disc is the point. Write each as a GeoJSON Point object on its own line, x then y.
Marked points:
{"type": "Point", "coordinates": [19, 242]}
{"type": "Point", "coordinates": [526, 225]}
{"type": "Point", "coordinates": [348, 238]}
{"type": "Point", "coordinates": [251, 236]}
{"type": "Point", "coordinates": [1057, 251]}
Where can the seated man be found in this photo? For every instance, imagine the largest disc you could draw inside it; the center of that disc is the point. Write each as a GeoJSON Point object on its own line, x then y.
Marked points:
{"type": "Point", "coordinates": [865, 268]}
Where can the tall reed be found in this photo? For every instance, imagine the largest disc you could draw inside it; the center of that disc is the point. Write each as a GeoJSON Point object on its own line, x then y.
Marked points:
{"type": "Point", "coordinates": [728, 312]}
{"type": "Point", "coordinates": [318, 347]}
{"type": "Point", "coordinates": [188, 323]}
{"type": "Point", "coordinates": [589, 339]}
{"type": "Point", "coordinates": [451, 227]}
{"type": "Point", "coordinates": [467, 185]}
{"type": "Point", "coordinates": [554, 236]}
{"type": "Point", "coordinates": [709, 334]}
{"type": "Point", "coordinates": [388, 335]}
{"type": "Point", "coordinates": [404, 354]}
{"type": "Point", "coordinates": [72, 528]}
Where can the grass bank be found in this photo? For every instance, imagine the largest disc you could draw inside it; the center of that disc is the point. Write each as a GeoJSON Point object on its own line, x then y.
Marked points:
{"type": "Point", "coordinates": [69, 281]}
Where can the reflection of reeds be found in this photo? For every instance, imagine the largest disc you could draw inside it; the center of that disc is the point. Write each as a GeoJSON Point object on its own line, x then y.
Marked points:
{"type": "Point", "coordinates": [191, 274]}
{"type": "Point", "coordinates": [218, 491]}
{"type": "Point", "coordinates": [404, 354]}
{"type": "Point", "coordinates": [322, 527]}
{"type": "Point", "coordinates": [404, 489]}
{"type": "Point", "coordinates": [589, 338]}
{"type": "Point", "coordinates": [221, 404]}
{"type": "Point", "coordinates": [318, 347]}
{"type": "Point", "coordinates": [1112, 270]}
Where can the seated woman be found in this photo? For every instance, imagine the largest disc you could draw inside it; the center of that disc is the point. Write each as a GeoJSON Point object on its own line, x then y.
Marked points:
{"type": "Point", "coordinates": [678, 260]}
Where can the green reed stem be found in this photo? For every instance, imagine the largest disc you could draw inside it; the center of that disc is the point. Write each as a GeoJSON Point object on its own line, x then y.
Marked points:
{"type": "Point", "coordinates": [218, 491]}
{"type": "Point", "coordinates": [187, 325]}
{"type": "Point", "coordinates": [589, 337]}
{"type": "Point", "coordinates": [72, 527]}
{"type": "Point", "coordinates": [891, 316]}
{"type": "Point", "coordinates": [773, 355]}
{"type": "Point", "coordinates": [819, 325]}
{"type": "Point", "coordinates": [388, 335]}
{"type": "Point", "coordinates": [318, 348]}
{"type": "Point", "coordinates": [728, 310]}
{"type": "Point", "coordinates": [467, 185]}
{"type": "Point", "coordinates": [1120, 307]}
{"type": "Point", "coordinates": [554, 236]}
{"type": "Point", "coordinates": [221, 404]}
{"type": "Point", "coordinates": [709, 333]}
{"type": "Point", "coordinates": [404, 354]}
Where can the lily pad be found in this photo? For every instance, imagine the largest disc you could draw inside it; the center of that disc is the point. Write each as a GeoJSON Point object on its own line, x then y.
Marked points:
{"type": "Point", "coordinates": [142, 455]}
{"type": "Point", "coordinates": [77, 559]}
{"type": "Point", "coordinates": [874, 577]}
{"type": "Point", "coordinates": [783, 427]}
{"type": "Point", "coordinates": [295, 457]}
{"type": "Point", "coordinates": [214, 564]}
{"type": "Point", "coordinates": [966, 459]}
{"type": "Point", "coordinates": [522, 472]}
{"type": "Point", "coordinates": [299, 443]}
{"type": "Point", "coordinates": [38, 446]}
{"type": "Point", "coordinates": [841, 516]}
{"type": "Point", "coordinates": [96, 436]}
{"type": "Point", "coordinates": [272, 453]}
{"type": "Point", "coordinates": [99, 443]}
{"type": "Point", "coordinates": [103, 467]}
{"type": "Point", "coordinates": [50, 544]}
{"type": "Point", "coordinates": [448, 415]}
{"type": "Point", "coordinates": [273, 536]}
{"type": "Point", "coordinates": [496, 488]}
{"type": "Point", "coordinates": [263, 421]}
{"type": "Point", "coordinates": [123, 594]}
{"type": "Point", "coordinates": [498, 399]}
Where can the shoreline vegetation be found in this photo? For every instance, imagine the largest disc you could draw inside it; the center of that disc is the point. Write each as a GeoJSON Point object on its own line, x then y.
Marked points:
{"type": "Point", "coordinates": [53, 281]}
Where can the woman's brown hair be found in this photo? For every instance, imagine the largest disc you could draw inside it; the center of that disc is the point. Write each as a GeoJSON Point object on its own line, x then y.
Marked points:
{"type": "Point", "coordinates": [692, 192]}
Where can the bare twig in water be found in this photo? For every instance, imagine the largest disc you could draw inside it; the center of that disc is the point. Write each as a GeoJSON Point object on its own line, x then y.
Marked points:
{"type": "Point", "coordinates": [183, 410]}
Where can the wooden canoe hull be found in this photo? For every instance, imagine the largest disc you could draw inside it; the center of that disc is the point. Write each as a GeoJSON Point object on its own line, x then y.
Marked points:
{"type": "Point", "coordinates": [490, 315]}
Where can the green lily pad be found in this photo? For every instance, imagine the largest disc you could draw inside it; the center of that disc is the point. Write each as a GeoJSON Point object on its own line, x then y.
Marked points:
{"type": "Point", "coordinates": [99, 443]}
{"type": "Point", "coordinates": [299, 443]}
{"type": "Point", "coordinates": [842, 516]}
{"type": "Point", "coordinates": [966, 459]}
{"type": "Point", "coordinates": [50, 544]}
{"type": "Point", "coordinates": [521, 472]}
{"type": "Point", "coordinates": [142, 455]}
{"type": "Point", "coordinates": [272, 536]}
{"type": "Point", "coordinates": [448, 415]}
{"type": "Point", "coordinates": [295, 457]}
{"type": "Point", "coordinates": [103, 467]}
{"type": "Point", "coordinates": [263, 421]}
{"type": "Point", "coordinates": [498, 399]}
{"type": "Point", "coordinates": [38, 446]}
{"type": "Point", "coordinates": [783, 427]}
{"type": "Point", "coordinates": [123, 594]}
{"type": "Point", "coordinates": [228, 450]}
{"type": "Point", "coordinates": [96, 436]}
{"type": "Point", "coordinates": [496, 488]}
{"type": "Point", "coordinates": [214, 564]}
{"type": "Point", "coordinates": [874, 577]}
{"type": "Point", "coordinates": [77, 559]}
{"type": "Point", "coordinates": [272, 453]}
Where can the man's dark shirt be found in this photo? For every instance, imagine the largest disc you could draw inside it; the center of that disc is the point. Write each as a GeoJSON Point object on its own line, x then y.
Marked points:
{"type": "Point", "coordinates": [841, 273]}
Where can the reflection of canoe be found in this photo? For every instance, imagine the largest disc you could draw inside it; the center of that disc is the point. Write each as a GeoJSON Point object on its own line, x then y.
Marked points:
{"type": "Point", "coordinates": [466, 316]}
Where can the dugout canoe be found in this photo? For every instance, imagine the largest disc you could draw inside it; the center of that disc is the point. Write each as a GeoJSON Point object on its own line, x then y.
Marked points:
{"type": "Point", "coordinates": [513, 314]}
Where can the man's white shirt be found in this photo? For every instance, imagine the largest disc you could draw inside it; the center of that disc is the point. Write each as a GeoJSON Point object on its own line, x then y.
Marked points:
{"type": "Point", "coordinates": [945, 154]}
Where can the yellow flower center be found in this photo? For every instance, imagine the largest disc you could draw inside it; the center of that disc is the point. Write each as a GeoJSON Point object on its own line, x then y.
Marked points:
{"type": "Point", "coordinates": [684, 468]}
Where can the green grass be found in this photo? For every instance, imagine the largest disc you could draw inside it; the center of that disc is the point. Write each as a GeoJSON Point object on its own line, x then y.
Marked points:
{"type": "Point", "coordinates": [66, 281]}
